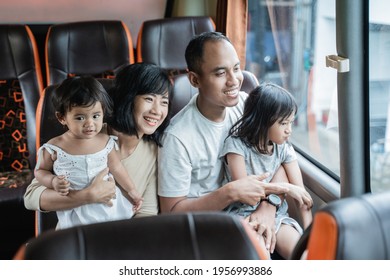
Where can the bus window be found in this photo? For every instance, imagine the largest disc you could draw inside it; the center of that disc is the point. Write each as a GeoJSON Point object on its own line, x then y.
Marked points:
{"type": "Point", "coordinates": [287, 43]}
{"type": "Point", "coordinates": [379, 77]}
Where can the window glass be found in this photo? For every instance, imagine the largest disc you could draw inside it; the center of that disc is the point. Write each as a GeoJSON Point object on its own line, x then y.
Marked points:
{"type": "Point", "coordinates": [287, 44]}
{"type": "Point", "coordinates": [379, 77]}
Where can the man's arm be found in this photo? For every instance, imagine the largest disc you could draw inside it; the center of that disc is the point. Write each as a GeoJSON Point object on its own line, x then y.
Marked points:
{"type": "Point", "coordinates": [40, 198]}
{"type": "Point", "coordinates": [215, 201]}
{"type": "Point", "coordinates": [248, 190]}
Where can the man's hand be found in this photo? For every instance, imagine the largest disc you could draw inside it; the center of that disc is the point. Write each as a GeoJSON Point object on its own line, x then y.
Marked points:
{"type": "Point", "coordinates": [264, 220]}
{"type": "Point", "coordinates": [251, 189]}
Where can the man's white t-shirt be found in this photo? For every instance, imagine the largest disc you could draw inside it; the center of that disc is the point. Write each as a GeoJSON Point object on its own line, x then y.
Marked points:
{"type": "Point", "coordinates": [189, 163]}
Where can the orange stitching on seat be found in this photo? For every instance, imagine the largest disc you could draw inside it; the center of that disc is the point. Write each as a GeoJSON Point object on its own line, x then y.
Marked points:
{"type": "Point", "coordinates": [48, 81]}
{"type": "Point", "coordinates": [139, 44]}
{"type": "Point", "coordinates": [38, 117]}
{"type": "Point", "coordinates": [130, 43]}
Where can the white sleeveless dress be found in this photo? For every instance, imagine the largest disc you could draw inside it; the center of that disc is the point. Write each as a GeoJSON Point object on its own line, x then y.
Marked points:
{"type": "Point", "coordinates": [80, 170]}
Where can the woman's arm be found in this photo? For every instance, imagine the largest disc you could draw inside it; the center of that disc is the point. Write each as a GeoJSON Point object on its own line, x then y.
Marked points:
{"type": "Point", "coordinates": [43, 172]}
{"type": "Point", "coordinates": [40, 198]}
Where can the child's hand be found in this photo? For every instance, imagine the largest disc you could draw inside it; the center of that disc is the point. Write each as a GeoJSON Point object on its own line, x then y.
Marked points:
{"type": "Point", "coordinates": [61, 185]}
{"type": "Point", "coordinates": [136, 200]}
{"type": "Point", "coordinates": [301, 196]}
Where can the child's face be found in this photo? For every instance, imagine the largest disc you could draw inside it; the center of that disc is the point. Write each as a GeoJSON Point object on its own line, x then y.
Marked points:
{"type": "Point", "coordinates": [281, 130]}
{"type": "Point", "coordinates": [84, 122]}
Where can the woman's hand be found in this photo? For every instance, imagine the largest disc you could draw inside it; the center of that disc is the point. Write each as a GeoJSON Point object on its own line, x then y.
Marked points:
{"type": "Point", "coordinates": [101, 190]}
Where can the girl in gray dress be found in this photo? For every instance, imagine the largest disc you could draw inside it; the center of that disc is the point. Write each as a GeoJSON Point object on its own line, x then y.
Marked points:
{"type": "Point", "coordinates": [258, 144]}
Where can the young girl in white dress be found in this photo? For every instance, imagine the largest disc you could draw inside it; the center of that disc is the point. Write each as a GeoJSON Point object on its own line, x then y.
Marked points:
{"type": "Point", "coordinates": [74, 158]}
{"type": "Point", "coordinates": [258, 144]}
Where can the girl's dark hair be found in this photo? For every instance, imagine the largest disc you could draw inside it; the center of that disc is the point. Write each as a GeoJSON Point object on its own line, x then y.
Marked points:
{"type": "Point", "coordinates": [195, 49]}
{"type": "Point", "coordinates": [265, 105]}
{"type": "Point", "coordinates": [138, 79]}
{"type": "Point", "coordinates": [82, 91]}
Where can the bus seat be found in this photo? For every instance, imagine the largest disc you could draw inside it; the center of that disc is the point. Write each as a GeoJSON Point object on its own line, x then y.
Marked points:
{"type": "Point", "coordinates": [98, 48]}
{"type": "Point", "coordinates": [351, 229]}
{"type": "Point", "coordinates": [250, 81]}
{"type": "Point", "coordinates": [20, 87]}
{"type": "Point", "coordinates": [184, 236]}
{"type": "Point", "coordinates": [48, 127]}
{"type": "Point", "coordinates": [163, 41]}
{"type": "Point", "coordinates": [183, 91]}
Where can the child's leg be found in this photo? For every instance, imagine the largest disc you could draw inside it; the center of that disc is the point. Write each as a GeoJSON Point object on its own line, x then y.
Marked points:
{"type": "Point", "coordinates": [286, 239]}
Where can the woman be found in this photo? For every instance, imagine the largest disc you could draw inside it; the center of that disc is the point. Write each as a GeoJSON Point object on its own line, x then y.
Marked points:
{"type": "Point", "coordinates": [141, 113]}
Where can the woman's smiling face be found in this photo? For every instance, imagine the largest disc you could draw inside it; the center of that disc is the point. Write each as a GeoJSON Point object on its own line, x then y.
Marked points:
{"type": "Point", "coordinates": [150, 110]}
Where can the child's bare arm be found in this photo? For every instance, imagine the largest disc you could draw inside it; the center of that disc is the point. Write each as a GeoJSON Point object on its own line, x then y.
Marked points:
{"type": "Point", "coordinates": [302, 197]}
{"type": "Point", "coordinates": [45, 176]}
{"type": "Point", "coordinates": [123, 179]}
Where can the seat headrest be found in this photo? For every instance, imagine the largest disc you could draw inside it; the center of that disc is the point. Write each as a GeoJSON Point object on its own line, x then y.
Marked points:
{"type": "Point", "coordinates": [163, 41]}
{"type": "Point", "coordinates": [165, 237]}
{"type": "Point", "coordinates": [183, 91]}
{"type": "Point", "coordinates": [16, 51]}
{"type": "Point", "coordinates": [87, 48]}
{"type": "Point", "coordinates": [352, 228]}
{"type": "Point", "coordinates": [250, 81]}
{"type": "Point", "coordinates": [20, 72]}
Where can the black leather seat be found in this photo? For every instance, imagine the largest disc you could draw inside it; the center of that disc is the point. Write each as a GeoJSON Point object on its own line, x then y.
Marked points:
{"type": "Point", "coordinates": [163, 41]}
{"type": "Point", "coordinates": [356, 228]}
{"type": "Point", "coordinates": [20, 88]}
{"type": "Point", "coordinates": [185, 236]}
{"type": "Point", "coordinates": [98, 48]}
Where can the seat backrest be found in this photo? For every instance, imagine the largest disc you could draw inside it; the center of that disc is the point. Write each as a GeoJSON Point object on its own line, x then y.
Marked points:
{"type": "Point", "coordinates": [352, 228]}
{"type": "Point", "coordinates": [163, 41]}
{"type": "Point", "coordinates": [48, 127]}
{"type": "Point", "coordinates": [98, 48]}
{"type": "Point", "coordinates": [250, 81]}
{"type": "Point", "coordinates": [183, 91]}
{"type": "Point", "coordinates": [185, 236]}
{"type": "Point", "coordinates": [20, 88]}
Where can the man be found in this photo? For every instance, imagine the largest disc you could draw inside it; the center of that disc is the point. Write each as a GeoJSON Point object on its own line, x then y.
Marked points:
{"type": "Point", "coordinates": [190, 170]}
